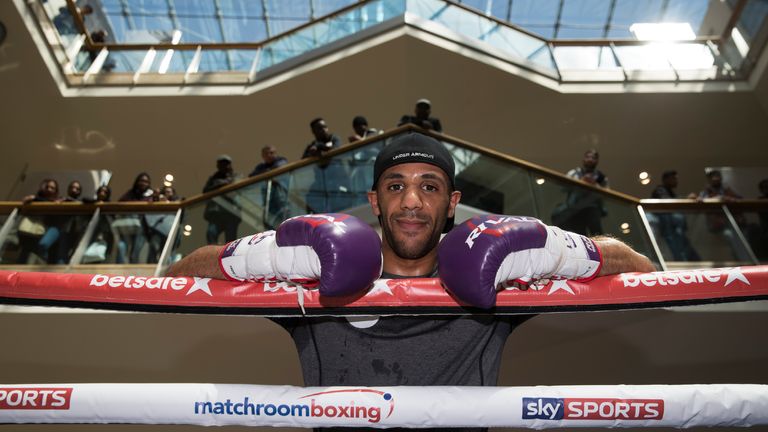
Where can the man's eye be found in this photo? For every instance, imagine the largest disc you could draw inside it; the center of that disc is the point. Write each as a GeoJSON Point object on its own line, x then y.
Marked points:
{"type": "Point", "coordinates": [430, 188]}
{"type": "Point", "coordinates": [395, 187]}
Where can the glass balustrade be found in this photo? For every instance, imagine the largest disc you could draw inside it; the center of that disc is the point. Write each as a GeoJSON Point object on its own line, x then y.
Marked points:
{"type": "Point", "coordinates": [82, 235]}
{"type": "Point", "coordinates": [340, 183]}
{"type": "Point", "coordinates": [332, 184]}
{"type": "Point", "coordinates": [41, 239]}
{"type": "Point", "coordinates": [709, 236]}
{"type": "Point", "coordinates": [684, 234]}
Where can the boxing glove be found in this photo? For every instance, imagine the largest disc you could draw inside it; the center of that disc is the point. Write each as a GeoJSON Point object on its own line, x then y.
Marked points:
{"type": "Point", "coordinates": [340, 251]}
{"type": "Point", "coordinates": [486, 251]}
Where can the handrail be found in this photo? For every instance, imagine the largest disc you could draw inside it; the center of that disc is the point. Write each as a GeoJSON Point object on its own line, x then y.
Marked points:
{"type": "Point", "coordinates": [70, 208]}
{"type": "Point", "coordinates": [297, 164]}
{"type": "Point", "coordinates": [530, 166]}
{"type": "Point", "coordinates": [707, 204]}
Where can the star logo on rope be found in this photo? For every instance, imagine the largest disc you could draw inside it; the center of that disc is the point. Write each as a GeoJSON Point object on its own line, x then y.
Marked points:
{"type": "Point", "coordinates": [200, 284]}
{"type": "Point", "coordinates": [560, 285]}
{"type": "Point", "coordinates": [735, 274]}
{"type": "Point", "coordinates": [381, 285]}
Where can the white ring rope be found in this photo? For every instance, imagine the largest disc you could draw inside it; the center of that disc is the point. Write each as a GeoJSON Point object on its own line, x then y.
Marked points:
{"type": "Point", "coordinates": [679, 406]}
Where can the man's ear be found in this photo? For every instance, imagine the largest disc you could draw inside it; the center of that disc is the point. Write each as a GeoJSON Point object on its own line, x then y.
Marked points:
{"type": "Point", "coordinates": [373, 199]}
{"type": "Point", "coordinates": [453, 202]}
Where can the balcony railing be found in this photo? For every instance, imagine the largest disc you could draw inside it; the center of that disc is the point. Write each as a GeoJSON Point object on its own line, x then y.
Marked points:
{"type": "Point", "coordinates": [674, 234]}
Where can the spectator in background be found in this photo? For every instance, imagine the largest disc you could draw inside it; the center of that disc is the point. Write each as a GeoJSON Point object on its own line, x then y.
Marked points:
{"type": "Point", "coordinates": [103, 239]}
{"type": "Point", "coordinates": [74, 190]}
{"type": "Point", "coordinates": [166, 194]}
{"type": "Point", "coordinates": [38, 234]}
{"type": "Point", "coordinates": [158, 225]}
{"type": "Point", "coordinates": [222, 212]}
{"type": "Point", "coordinates": [103, 193]}
{"type": "Point", "coordinates": [100, 37]}
{"type": "Point", "coordinates": [673, 227]}
{"type": "Point", "coordinates": [421, 117]}
{"type": "Point", "coordinates": [329, 191]}
{"type": "Point", "coordinates": [141, 189]}
{"type": "Point", "coordinates": [361, 163]}
{"type": "Point", "coordinates": [274, 192]}
{"type": "Point", "coordinates": [583, 209]}
{"type": "Point", "coordinates": [324, 140]}
{"type": "Point", "coordinates": [270, 161]}
{"type": "Point", "coordinates": [71, 226]}
{"type": "Point", "coordinates": [65, 22]}
{"type": "Point", "coordinates": [666, 190]}
{"type": "Point", "coordinates": [131, 228]}
{"type": "Point", "coordinates": [716, 189]}
{"type": "Point", "coordinates": [717, 221]}
{"type": "Point", "coordinates": [361, 129]}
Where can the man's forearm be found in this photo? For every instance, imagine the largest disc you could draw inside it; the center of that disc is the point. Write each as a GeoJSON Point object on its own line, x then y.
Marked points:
{"type": "Point", "coordinates": [620, 258]}
{"type": "Point", "coordinates": [203, 262]}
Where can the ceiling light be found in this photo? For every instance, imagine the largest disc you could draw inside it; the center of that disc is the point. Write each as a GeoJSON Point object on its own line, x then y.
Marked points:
{"type": "Point", "coordinates": [540, 181]}
{"type": "Point", "coordinates": [169, 177]}
{"type": "Point", "coordinates": [645, 181]}
{"type": "Point", "coordinates": [623, 226]}
{"type": "Point", "coordinates": [662, 32]}
{"type": "Point", "coordinates": [643, 175]}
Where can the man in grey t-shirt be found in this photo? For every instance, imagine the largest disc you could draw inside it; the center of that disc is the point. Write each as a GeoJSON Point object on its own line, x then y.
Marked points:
{"type": "Point", "coordinates": [414, 198]}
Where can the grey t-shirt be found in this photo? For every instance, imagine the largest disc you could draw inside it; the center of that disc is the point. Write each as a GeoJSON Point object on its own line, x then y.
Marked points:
{"type": "Point", "coordinates": [401, 350]}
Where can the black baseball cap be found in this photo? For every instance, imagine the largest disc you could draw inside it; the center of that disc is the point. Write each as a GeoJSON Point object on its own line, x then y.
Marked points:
{"type": "Point", "coordinates": [416, 148]}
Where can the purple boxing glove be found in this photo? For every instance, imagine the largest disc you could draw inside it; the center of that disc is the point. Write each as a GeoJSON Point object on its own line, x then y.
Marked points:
{"type": "Point", "coordinates": [484, 252]}
{"type": "Point", "coordinates": [340, 251]}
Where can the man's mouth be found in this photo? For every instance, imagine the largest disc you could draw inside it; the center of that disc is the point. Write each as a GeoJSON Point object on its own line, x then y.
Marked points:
{"type": "Point", "coordinates": [411, 224]}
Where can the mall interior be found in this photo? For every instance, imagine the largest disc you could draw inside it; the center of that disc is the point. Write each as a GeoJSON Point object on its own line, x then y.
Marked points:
{"type": "Point", "coordinates": [671, 95]}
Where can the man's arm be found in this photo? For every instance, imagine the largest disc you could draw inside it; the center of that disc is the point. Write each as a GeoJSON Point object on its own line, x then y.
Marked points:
{"type": "Point", "coordinates": [620, 258]}
{"type": "Point", "coordinates": [203, 262]}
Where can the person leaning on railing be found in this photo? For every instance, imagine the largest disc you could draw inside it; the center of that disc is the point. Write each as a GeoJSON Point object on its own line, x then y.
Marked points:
{"type": "Point", "coordinates": [674, 226]}
{"type": "Point", "coordinates": [222, 217]}
{"type": "Point", "coordinates": [274, 192]}
{"type": "Point", "coordinates": [131, 229]}
{"type": "Point", "coordinates": [38, 234]}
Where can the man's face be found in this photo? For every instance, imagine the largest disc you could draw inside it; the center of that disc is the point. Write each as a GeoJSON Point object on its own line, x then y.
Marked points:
{"type": "Point", "coordinates": [360, 128]}
{"type": "Point", "coordinates": [671, 181]}
{"type": "Point", "coordinates": [74, 190]}
{"type": "Point", "coordinates": [320, 131]}
{"type": "Point", "coordinates": [142, 184]}
{"type": "Point", "coordinates": [716, 181]}
{"type": "Point", "coordinates": [269, 154]}
{"type": "Point", "coordinates": [50, 189]}
{"type": "Point", "coordinates": [590, 160]}
{"type": "Point", "coordinates": [413, 202]}
{"type": "Point", "coordinates": [223, 165]}
{"type": "Point", "coordinates": [423, 111]}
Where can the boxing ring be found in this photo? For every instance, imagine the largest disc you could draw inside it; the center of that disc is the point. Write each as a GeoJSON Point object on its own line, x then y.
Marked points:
{"type": "Point", "coordinates": [532, 407]}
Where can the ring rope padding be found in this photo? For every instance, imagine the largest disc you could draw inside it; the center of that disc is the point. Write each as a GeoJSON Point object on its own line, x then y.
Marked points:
{"type": "Point", "coordinates": [416, 296]}
{"type": "Point", "coordinates": [540, 407]}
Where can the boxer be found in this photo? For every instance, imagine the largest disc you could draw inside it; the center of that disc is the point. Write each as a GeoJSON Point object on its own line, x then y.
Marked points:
{"type": "Point", "coordinates": [414, 197]}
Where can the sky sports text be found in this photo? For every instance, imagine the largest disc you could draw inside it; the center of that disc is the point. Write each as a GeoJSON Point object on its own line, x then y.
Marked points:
{"type": "Point", "coordinates": [592, 409]}
{"type": "Point", "coordinates": [38, 398]}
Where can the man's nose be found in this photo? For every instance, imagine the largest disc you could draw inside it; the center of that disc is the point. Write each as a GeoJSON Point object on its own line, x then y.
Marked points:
{"type": "Point", "coordinates": [411, 198]}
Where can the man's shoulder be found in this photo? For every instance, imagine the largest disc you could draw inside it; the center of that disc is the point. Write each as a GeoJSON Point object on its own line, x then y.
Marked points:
{"type": "Point", "coordinates": [575, 173]}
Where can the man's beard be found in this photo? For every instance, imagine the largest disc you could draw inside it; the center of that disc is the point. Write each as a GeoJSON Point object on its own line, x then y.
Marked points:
{"type": "Point", "coordinates": [415, 251]}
